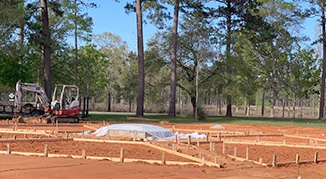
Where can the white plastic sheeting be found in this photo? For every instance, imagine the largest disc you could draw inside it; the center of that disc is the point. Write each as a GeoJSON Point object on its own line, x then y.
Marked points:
{"type": "Point", "coordinates": [193, 135]}
{"type": "Point", "coordinates": [156, 132]}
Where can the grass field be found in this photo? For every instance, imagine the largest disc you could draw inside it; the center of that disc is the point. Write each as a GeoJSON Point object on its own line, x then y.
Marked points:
{"type": "Point", "coordinates": [122, 117]}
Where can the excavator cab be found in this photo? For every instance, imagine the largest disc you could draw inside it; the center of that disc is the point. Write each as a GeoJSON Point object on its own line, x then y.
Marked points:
{"type": "Point", "coordinates": [65, 102]}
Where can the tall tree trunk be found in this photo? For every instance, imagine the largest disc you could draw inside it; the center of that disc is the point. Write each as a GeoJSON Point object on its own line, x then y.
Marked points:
{"type": "Point", "coordinates": [109, 102]}
{"type": "Point", "coordinates": [289, 108]}
{"type": "Point", "coordinates": [220, 106]}
{"type": "Point", "coordinates": [283, 107]}
{"type": "Point", "coordinates": [141, 70]}
{"type": "Point", "coordinates": [172, 112]}
{"type": "Point", "coordinates": [294, 104]}
{"type": "Point", "coordinates": [248, 108]}
{"type": "Point", "coordinates": [130, 105]}
{"type": "Point", "coordinates": [197, 92]}
{"type": "Point", "coordinates": [301, 108]}
{"type": "Point", "coordinates": [76, 43]}
{"type": "Point", "coordinates": [46, 48]}
{"type": "Point", "coordinates": [273, 102]}
{"type": "Point", "coordinates": [322, 86]}
{"type": "Point", "coordinates": [193, 102]}
{"type": "Point", "coordinates": [228, 106]}
{"type": "Point", "coordinates": [263, 104]}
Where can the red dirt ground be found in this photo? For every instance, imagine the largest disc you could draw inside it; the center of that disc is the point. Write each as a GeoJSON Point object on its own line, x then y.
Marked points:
{"type": "Point", "coordinates": [13, 167]}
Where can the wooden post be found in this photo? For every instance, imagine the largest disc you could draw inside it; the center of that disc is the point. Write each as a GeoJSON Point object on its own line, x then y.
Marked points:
{"type": "Point", "coordinates": [223, 150]}
{"type": "Point", "coordinates": [260, 160]}
{"type": "Point", "coordinates": [198, 143]}
{"type": "Point", "coordinates": [215, 159]}
{"type": "Point", "coordinates": [207, 138]}
{"type": "Point", "coordinates": [173, 147]}
{"type": "Point", "coordinates": [297, 159]}
{"type": "Point", "coordinates": [25, 136]}
{"type": "Point", "coordinates": [163, 158]}
{"type": "Point", "coordinates": [175, 138]}
{"type": "Point", "coordinates": [83, 154]}
{"type": "Point", "coordinates": [203, 161]}
{"type": "Point", "coordinates": [8, 149]}
{"type": "Point", "coordinates": [257, 138]}
{"type": "Point", "coordinates": [219, 136]}
{"type": "Point", "coordinates": [213, 146]}
{"type": "Point", "coordinates": [134, 137]}
{"type": "Point", "coordinates": [316, 157]}
{"type": "Point", "coordinates": [56, 126]}
{"type": "Point", "coordinates": [121, 155]}
{"type": "Point", "coordinates": [34, 126]}
{"type": "Point", "coordinates": [189, 140]}
{"type": "Point", "coordinates": [274, 161]}
{"type": "Point", "coordinates": [67, 135]}
{"type": "Point", "coordinates": [7, 122]}
{"type": "Point", "coordinates": [15, 137]}
{"type": "Point", "coordinates": [284, 142]}
{"type": "Point", "coordinates": [82, 134]}
{"type": "Point", "coordinates": [235, 151]}
{"type": "Point", "coordinates": [46, 150]}
{"type": "Point", "coordinates": [247, 153]}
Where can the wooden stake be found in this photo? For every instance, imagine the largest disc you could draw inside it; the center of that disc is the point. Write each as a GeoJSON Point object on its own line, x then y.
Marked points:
{"type": "Point", "coordinates": [67, 135]}
{"type": "Point", "coordinates": [83, 154]}
{"type": "Point", "coordinates": [163, 158]}
{"type": "Point", "coordinates": [213, 146]}
{"type": "Point", "coordinates": [56, 126]}
{"type": "Point", "coordinates": [215, 159]}
{"type": "Point", "coordinates": [134, 137]}
{"type": "Point", "coordinates": [284, 142]}
{"type": "Point", "coordinates": [257, 138]}
{"type": "Point", "coordinates": [235, 151]}
{"type": "Point", "coordinates": [25, 136]}
{"type": "Point", "coordinates": [173, 147]}
{"type": "Point", "coordinates": [223, 151]}
{"type": "Point", "coordinates": [198, 143]}
{"type": "Point", "coordinates": [46, 153]}
{"type": "Point", "coordinates": [297, 159]}
{"type": "Point", "coordinates": [34, 126]}
{"type": "Point", "coordinates": [274, 161]}
{"type": "Point", "coordinates": [219, 136]}
{"type": "Point", "coordinates": [189, 140]}
{"type": "Point", "coordinates": [316, 157]}
{"type": "Point", "coordinates": [8, 149]}
{"type": "Point", "coordinates": [175, 138]}
{"type": "Point", "coordinates": [15, 137]}
{"type": "Point", "coordinates": [83, 134]}
{"type": "Point", "coordinates": [121, 155]}
{"type": "Point", "coordinates": [247, 153]}
{"type": "Point", "coordinates": [260, 160]}
{"type": "Point", "coordinates": [7, 122]}
{"type": "Point", "coordinates": [203, 160]}
{"type": "Point", "coordinates": [207, 138]}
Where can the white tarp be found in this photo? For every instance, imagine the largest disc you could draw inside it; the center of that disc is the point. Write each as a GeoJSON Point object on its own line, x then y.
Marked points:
{"type": "Point", "coordinates": [156, 132]}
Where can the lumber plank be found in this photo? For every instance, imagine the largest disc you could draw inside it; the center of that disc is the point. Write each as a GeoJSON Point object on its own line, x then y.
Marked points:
{"type": "Point", "coordinates": [34, 140]}
{"type": "Point", "coordinates": [302, 137]}
{"type": "Point", "coordinates": [277, 145]}
{"type": "Point", "coordinates": [107, 141]}
{"type": "Point", "coordinates": [182, 155]}
{"type": "Point", "coordinates": [90, 127]}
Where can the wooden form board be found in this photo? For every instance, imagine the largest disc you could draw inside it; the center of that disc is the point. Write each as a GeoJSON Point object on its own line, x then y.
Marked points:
{"type": "Point", "coordinates": [152, 146]}
{"type": "Point", "coordinates": [102, 158]}
{"type": "Point", "coordinates": [255, 135]}
{"type": "Point", "coordinates": [90, 127]}
{"type": "Point", "coordinates": [302, 137]}
{"type": "Point", "coordinates": [205, 131]}
{"type": "Point", "coordinates": [274, 144]}
{"type": "Point", "coordinates": [245, 160]}
{"type": "Point", "coordinates": [34, 140]}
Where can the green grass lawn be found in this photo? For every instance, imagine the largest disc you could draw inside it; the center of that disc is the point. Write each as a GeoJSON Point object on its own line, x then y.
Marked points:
{"type": "Point", "coordinates": [122, 117]}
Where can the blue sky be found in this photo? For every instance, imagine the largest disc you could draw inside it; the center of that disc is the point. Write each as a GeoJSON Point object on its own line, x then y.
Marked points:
{"type": "Point", "coordinates": [110, 16]}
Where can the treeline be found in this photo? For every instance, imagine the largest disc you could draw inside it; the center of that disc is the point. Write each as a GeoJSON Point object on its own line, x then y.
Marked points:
{"type": "Point", "coordinates": [204, 52]}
